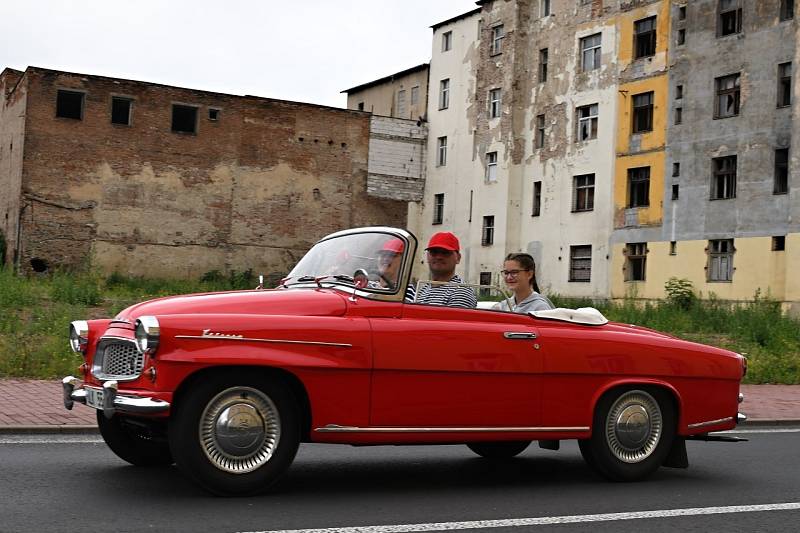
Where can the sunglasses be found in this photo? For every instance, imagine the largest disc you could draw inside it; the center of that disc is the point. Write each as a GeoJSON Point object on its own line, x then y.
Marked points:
{"type": "Point", "coordinates": [439, 251]}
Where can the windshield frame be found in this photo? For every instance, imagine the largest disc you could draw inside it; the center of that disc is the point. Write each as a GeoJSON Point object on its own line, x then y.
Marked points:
{"type": "Point", "coordinates": [406, 266]}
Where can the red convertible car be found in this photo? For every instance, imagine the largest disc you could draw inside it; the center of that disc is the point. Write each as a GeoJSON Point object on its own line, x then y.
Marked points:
{"type": "Point", "coordinates": [226, 385]}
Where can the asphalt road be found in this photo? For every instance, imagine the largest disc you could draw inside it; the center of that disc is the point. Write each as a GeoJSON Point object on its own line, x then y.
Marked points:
{"type": "Point", "coordinates": [75, 484]}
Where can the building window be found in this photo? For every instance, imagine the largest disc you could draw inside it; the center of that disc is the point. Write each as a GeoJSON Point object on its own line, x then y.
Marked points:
{"type": "Point", "coordinates": [730, 17]}
{"type": "Point", "coordinates": [121, 110]}
{"type": "Point", "coordinates": [644, 37]}
{"type": "Point", "coordinates": [69, 104]}
{"type": "Point", "coordinates": [583, 193]}
{"type": "Point", "coordinates": [491, 167]}
{"type": "Point", "coordinates": [444, 94]}
{"type": "Point", "coordinates": [438, 208]}
{"type": "Point", "coordinates": [779, 243]}
{"type": "Point", "coordinates": [494, 103]}
{"type": "Point", "coordinates": [415, 95]}
{"type": "Point", "coordinates": [639, 187]}
{"type": "Point", "coordinates": [682, 13]}
{"type": "Point", "coordinates": [487, 235]}
{"type": "Point", "coordinates": [543, 57]}
{"type": "Point", "coordinates": [587, 122]}
{"type": "Point", "coordinates": [361, 106]}
{"type": "Point", "coordinates": [441, 151]}
{"type": "Point", "coordinates": [447, 41]}
{"type": "Point", "coordinates": [401, 103]}
{"type": "Point", "coordinates": [676, 189]}
{"type": "Point", "coordinates": [537, 199]}
{"type": "Point", "coordinates": [673, 247]}
{"type": "Point", "coordinates": [681, 39]}
{"type": "Point", "coordinates": [636, 261]}
{"type": "Point", "coordinates": [580, 263]}
{"type": "Point", "coordinates": [497, 39]}
{"type": "Point", "coordinates": [781, 171]}
{"type": "Point", "coordinates": [642, 112]}
{"type": "Point", "coordinates": [590, 52]}
{"type": "Point", "coordinates": [678, 115]}
{"type": "Point", "coordinates": [485, 279]}
{"type": "Point", "coordinates": [787, 9]}
{"type": "Point", "coordinates": [540, 131]}
{"type": "Point", "coordinates": [544, 7]}
{"type": "Point", "coordinates": [728, 95]}
{"type": "Point", "coordinates": [678, 92]}
{"type": "Point", "coordinates": [676, 169]}
{"type": "Point", "coordinates": [213, 114]}
{"type": "Point", "coordinates": [720, 260]}
{"type": "Point", "coordinates": [784, 84]}
{"type": "Point", "coordinates": [723, 185]}
{"type": "Point", "coordinates": [184, 118]}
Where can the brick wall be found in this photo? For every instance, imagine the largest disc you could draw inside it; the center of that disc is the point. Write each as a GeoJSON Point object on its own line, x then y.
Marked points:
{"type": "Point", "coordinates": [396, 168]}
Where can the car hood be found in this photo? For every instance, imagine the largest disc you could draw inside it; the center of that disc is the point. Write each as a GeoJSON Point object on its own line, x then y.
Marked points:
{"type": "Point", "coordinates": [298, 301]}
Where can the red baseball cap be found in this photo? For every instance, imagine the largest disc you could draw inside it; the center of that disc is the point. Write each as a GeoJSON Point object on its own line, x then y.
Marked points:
{"type": "Point", "coordinates": [445, 240]}
{"type": "Point", "coordinates": [393, 245]}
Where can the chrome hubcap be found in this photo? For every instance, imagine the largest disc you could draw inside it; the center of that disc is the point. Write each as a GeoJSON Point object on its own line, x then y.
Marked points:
{"type": "Point", "coordinates": [634, 426]}
{"type": "Point", "coordinates": [239, 430]}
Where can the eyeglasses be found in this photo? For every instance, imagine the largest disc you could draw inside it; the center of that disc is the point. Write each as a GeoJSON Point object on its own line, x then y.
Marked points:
{"type": "Point", "coordinates": [513, 273]}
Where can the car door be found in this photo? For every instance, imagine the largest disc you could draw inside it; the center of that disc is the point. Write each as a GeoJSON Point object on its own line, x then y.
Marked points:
{"type": "Point", "coordinates": [439, 366]}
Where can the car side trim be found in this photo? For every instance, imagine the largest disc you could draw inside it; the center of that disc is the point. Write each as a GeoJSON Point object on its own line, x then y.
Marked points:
{"type": "Point", "coordinates": [710, 422]}
{"type": "Point", "coordinates": [249, 339]}
{"type": "Point", "coordinates": [335, 428]}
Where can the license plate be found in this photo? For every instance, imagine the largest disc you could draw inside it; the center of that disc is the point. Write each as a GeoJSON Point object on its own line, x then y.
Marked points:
{"type": "Point", "coordinates": [94, 397]}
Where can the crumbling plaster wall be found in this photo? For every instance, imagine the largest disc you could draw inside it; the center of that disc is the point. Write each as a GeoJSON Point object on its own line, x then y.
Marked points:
{"type": "Point", "coordinates": [253, 189]}
{"type": "Point", "coordinates": [12, 145]}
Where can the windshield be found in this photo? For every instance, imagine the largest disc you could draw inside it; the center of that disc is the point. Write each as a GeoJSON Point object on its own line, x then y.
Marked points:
{"type": "Point", "coordinates": [371, 260]}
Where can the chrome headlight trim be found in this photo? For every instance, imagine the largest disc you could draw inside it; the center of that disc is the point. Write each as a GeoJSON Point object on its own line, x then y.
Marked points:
{"type": "Point", "coordinates": [79, 336]}
{"type": "Point", "coordinates": [148, 333]}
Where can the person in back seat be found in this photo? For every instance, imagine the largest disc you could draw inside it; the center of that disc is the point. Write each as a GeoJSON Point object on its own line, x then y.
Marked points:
{"type": "Point", "coordinates": [519, 273]}
{"type": "Point", "coordinates": [443, 254]}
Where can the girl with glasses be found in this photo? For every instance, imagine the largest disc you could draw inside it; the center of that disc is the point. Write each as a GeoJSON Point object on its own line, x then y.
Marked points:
{"type": "Point", "coordinates": [519, 273]}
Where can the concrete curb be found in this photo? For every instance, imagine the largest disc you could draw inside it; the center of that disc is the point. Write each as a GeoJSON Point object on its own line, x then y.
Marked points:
{"type": "Point", "coordinates": [71, 429]}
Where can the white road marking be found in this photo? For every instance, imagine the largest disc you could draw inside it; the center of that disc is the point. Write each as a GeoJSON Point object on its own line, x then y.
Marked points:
{"type": "Point", "coordinates": [51, 440]}
{"type": "Point", "coordinates": [547, 520]}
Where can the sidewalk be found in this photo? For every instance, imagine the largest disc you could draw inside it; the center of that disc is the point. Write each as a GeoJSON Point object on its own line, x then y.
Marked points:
{"type": "Point", "coordinates": [34, 405]}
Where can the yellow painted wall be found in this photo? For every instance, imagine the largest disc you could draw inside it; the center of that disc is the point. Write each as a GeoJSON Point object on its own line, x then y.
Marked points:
{"type": "Point", "coordinates": [625, 23]}
{"type": "Point", "coordinates": [756, 267]}
{"type": "Point", "coordinates": [652, 140]}
{"type": "Point", "coordinates": [653, 214]}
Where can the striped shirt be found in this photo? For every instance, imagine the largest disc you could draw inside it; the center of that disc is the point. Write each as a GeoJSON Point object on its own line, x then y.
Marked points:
{"type": "Point", "coordinates": [450, 294]}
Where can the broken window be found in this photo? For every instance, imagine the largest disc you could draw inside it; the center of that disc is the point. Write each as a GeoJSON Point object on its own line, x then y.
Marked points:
{"type": "Point", "coordinates": [728, 95]}
{"type": "Point", "coordinates": [682, 13]}
{"type": "Point", "coordinates": [438, 208]}
{"type": "Point", "coordinates": [491, 167]}
{"type": "Point", "coordinates": [494, 103]}
{"type": "Point", "coordinates": [787, 9]}
{"type": "Point", "coordinates": [444, 94]}
{"type": "Point", "coordinates": [642, 112]}
{"type": "Point", "coordinates": [213, 114]}
{"type": "Point", "coordinates": [580, 263]}
{"type": "Point", "coordinates": [720, 260]}
{"type": "Point", "coordinates": [497, 39]}
{"type": "Point", "coordinates": [781, 171]}
{"type": "Point", "coordinates": [583, 193]}
{"type": "Point", "coordinates": [678, 92]}
{"type": "Point", "coordinates": [543, 65]}
{"type": "Point", "coordinates": [730, 17]}
{"type": "Point", "coordinates": [644, 39]}
{"type": "Point", "coordinates": [779, 243]}
{"type": "Point", "coordinates": [447, 41]}
{"type": "Point", "coordinates": [636, 261]}
{"type": "Point", "coordinates": [587, 122]}
{"type": "Point", "coordinates": [537, 199]}
{"type": "Point", "coordinates": [540, 131]}
{"type": "Point", "coordinates": [676, 189]}
{"type": "Point", "coordinates": [361, 106]}
{"type": "Point", "coordinates": [681, 37]}
{"type": "Point", "coordinates": [121, 110]}
{"type": "Point", "coordinates": [784, 84]}
{"type": "Point", "coordinates": [723, 183]}
{"type": "Point", "coordinates": [69, 104]}
{"type": "Point", "coordinates": [639, 187]}
{"type": "Point", "coordinates": [678, 115]}
{"type": "Point", "coordinates": [441, 151]}
{"type": "Point", "coordinates": [590, 52]}
{"type": "Point", "coordinates": [676, 169]}
{"type": "Point", "coordinates": [487, 235]}
{"type": "Point", "coordinates": [184, 118]}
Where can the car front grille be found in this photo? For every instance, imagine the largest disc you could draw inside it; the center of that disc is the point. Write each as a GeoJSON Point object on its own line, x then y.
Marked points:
{"type": "Point", "coordinates": [117, 359]}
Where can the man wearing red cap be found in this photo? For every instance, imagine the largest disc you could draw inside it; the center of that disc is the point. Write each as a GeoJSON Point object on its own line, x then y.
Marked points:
{"type": "Point", "coordinates": [443, 254]}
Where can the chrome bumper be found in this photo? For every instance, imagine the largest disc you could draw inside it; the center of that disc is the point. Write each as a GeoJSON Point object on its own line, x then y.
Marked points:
{"type": "Point", "coordinates": [112, 403]}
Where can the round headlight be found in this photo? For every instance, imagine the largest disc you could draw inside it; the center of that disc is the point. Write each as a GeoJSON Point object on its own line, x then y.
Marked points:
{"type": "Point", "coordinates": [147, 334]}
{"type": "Point", "coordinates": [79, 336]}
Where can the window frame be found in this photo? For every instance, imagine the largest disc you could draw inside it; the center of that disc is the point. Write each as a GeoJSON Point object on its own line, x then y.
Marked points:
{"type": "Point", "coordinates": [642, 115]}
{"type": "Point", "coordinates": [487, 231]}
{"type": "Point", "coordinates": [447, 41]}
{"type": "Point", "coordinates": [787, 10]}
{"type": "Point", "coordinates": [129, 101]}
{"type": "Point", "coordinates": [595, 51]}
{"type": "Point", "coordinates": [60, 103]}
{"type": "Point", "coordinates": [438, 209]}
{"type": "Point", "coordinates": [723, 13]}
{"type": "Point", "coordinates": [544, 59]}
{"type": "Point", "coordinates": [441, 151]}
{"type": "Point", "coordinates": [402, 109]}
{"type": "Point", "coordinates": [495, 102]}
{"type": "Point", "coordinates": [444, 94]}
{"type": "Point", "coordinates": [722, 90]}
{"type": "Point", "coordinates": [781, 175]}
{"type": "Point", "coordinates": [491, 167]}
{"type": "Point", "coordinates": [723, 181]}
{"type": "Point", "coordinates": [591, 119]}
{"type": "Point", "coordinates": [583, 188]}
{"type": "Point", "coordinates": [537, 199]}
{"type": "Point", "coordinates": [545, 8]}
{"type": "Point", "coordinates": [719, 268]}
{"type": "Point", "coordinates": [638, 187]}
{"type": "Point", "coordinates": [580, 260]}
{"type": "Point", "coordinates": [496, 41]}
{"type": "Point", "coordinates": [785, 84]}
{"type": "Point", "coordinates": [644, 40]}
{"type": "Point", "coordinates": [541, 130]}
{"type": "Point", "coordinates": [178, 105]}
{"type": "Point", "coordinates": [636, 261]}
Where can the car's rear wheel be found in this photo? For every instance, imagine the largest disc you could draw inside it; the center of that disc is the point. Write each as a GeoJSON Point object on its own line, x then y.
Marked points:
{"type": "Point", "coordinates": [498, 450]}
{"type": "Point", "coordinates": [632, 433]}
{"type": "Point", "coordinates": [235, 434]}
{"type": "Point", "coordinates": [134, 441]}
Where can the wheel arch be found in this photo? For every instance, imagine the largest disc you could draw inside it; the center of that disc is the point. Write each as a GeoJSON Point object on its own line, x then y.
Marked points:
{"type": "Point", "coordinates": [644, 384]}
{"type": "Point", "coordinates": [294, 383]}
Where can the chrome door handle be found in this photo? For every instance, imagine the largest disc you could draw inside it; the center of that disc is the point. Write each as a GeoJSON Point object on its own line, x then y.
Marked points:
{"type": "Point", "coordinates": [519, 335]}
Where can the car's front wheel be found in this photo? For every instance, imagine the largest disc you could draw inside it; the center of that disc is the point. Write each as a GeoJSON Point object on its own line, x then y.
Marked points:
{"type": "Point", "coordinates": [499, 450]}
{"type": "Point", "coordinates": [632, 433]}
{"type": "Point", "coordinates": [235, 434]}
{"type": "Point", "coordinates": [135, 441]}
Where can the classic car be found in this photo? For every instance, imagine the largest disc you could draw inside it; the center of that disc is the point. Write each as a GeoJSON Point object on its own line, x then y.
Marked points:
{"type": "Point", "coordinates": [227, 385]}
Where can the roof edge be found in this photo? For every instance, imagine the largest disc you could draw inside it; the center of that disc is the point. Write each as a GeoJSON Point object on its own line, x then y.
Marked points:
{"type": "Point", "coordinates": [384, 79]}
{"type": "Point", "coordinates": [458, 17]}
